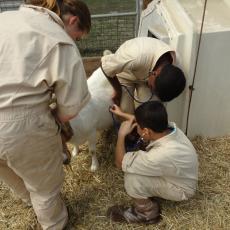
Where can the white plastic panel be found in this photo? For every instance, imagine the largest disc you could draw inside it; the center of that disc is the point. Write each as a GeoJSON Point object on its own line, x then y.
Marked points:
{"type": "Point", "coordinates": [160, 20]}
{"type": "Point", "coordinates": [217, 15]}
{"type": "Point", "coordinates": [210, 108]}
{"type": "Point", "coordinates": [178, 23]}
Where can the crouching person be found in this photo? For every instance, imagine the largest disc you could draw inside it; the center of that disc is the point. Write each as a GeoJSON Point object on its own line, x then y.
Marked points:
{"type": "Point", "coordinates": [168, 168]}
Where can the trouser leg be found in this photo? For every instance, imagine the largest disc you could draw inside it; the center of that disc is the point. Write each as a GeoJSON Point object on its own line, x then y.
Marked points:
{"type": "Point", "coordinates": [44, 182]}
{"type": "Point", "coordinates": [50, 210]}
{"type": "Point", "coordinates": [14, 182]}
{"type": "Point", "coordinates": [37, 159]}
{"type": "Point", "coordinates": [142, 187]}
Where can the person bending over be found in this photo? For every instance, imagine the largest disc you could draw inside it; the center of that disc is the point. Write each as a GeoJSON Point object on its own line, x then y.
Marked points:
{"type": "Point", "coordinates": [143, 67]}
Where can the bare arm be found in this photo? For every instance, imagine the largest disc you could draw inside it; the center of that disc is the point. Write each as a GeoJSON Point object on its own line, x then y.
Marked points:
{"type": "Point", "coordinates": [117, 88]}
{"type": "Point", "coordinates": [117, 110]}
{"type": "Point", "coordinates": [120, 151]}
{"type": "Point", "coordinates": [125, 129]}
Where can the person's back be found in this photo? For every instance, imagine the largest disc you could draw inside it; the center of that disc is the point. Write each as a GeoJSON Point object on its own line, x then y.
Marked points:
{"type": "Point", "coordinates": [143, 67]}
{"type": "Point", "coordinates": [135, 57]}
{"type": "Point", "coordinates": [25, 47]}
{"type": "Point", "coordinates": [176, 160]}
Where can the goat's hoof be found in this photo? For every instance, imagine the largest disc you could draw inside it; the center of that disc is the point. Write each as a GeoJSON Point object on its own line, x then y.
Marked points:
{"type": "Point", "coordinates": [94, 164]}
{"type": "Point", "coordinates": [94, 167]}
{"type": "Point", "coordinates": [74, 152]}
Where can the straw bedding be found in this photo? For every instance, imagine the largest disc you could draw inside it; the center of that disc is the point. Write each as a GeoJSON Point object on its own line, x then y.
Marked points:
{"type": "Point", "coordinates": [88, 195]}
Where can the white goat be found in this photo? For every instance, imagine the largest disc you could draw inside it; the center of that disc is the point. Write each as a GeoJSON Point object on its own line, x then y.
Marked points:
{"type": "Point", "coordinates": [94, 116]}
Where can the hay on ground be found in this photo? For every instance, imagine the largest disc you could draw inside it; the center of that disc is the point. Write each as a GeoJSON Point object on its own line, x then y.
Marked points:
{"type": "Point", "coordinates": [88, 195]}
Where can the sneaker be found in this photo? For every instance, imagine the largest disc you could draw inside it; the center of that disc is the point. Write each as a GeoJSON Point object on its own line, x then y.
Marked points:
{"type": "Point", "coordinates": [123, 214]}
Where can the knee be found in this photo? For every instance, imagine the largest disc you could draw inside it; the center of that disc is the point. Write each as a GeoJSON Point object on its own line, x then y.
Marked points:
{"type": "Point", "coordinates": [133, 186]}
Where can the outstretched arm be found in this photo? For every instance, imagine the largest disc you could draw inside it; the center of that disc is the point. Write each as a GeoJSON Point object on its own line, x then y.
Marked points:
{"type": "Point", "coordinates": [117, 110]}
{"type": "Point", "coordinates": [125, 129]}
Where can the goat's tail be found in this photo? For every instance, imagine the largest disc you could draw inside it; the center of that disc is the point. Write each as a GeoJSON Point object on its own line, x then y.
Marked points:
{"type": "Point", "coordinates": [107, 52]}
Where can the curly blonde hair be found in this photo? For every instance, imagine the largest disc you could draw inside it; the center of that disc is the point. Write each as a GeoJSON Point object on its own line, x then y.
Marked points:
{"type": "Point", "coordinates": [49, 4]}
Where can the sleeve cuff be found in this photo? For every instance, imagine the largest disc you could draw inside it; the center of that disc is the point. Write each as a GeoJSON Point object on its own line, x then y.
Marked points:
{"type": "Point", "coordinates": [73, 110]}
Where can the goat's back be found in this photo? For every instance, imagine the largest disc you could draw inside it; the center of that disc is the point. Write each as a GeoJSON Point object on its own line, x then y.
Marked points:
{"type": "Point", "coordinates": [95, 115]}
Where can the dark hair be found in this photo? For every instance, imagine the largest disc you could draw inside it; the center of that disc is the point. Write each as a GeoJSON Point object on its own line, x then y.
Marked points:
{"type": "Point", "coordinates": [80, 9]}
{"type": "Point", "coordinates": [166, 58]}
{"type": "Point", "coordinates": [152, 115]}
{"type": "Point", "coordinates": [62, 7]}
{"type": "Point", "coordinates": [170, 83]}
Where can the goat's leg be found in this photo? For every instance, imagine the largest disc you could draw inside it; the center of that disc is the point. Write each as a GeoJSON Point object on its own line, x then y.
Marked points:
{"type": "Point", "coordinates": [92, 141]}
{"type": "Point", "coordinates": [74, 151]}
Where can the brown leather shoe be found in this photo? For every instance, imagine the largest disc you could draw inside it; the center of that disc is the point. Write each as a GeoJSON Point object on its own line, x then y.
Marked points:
{"type": "Point", "coordinates": [129, 215]}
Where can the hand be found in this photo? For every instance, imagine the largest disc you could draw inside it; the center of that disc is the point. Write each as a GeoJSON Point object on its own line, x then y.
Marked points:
{"type": "Point", "coordinates": [116, 110]}
{"type": "Point", "coordinates": [127, 127]}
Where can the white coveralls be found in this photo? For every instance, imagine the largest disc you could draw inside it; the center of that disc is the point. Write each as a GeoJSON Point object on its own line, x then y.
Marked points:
{"type": "Point", "coordinates": [36, 52]}
{"type": "Point", "coordinates": [167, 169]}
{"type": "Point", "coordinates": [131, 63]}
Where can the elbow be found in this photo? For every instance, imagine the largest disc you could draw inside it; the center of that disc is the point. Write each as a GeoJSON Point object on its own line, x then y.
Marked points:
{"type": "Point", "coordinates": [66, 118]}
{"type": "Point", "coordinates": [118, 164]}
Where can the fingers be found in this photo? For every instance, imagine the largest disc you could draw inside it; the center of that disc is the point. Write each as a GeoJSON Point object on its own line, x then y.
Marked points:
{"type": "Point", "coordinates": [134, 125]}
{"type": "Point", "coordinates": [113, 108]}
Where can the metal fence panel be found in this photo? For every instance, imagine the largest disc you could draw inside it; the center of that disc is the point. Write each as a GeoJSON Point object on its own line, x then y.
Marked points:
{"type": "Point", "coordinates": [9, 5]}
{"type": "Point", "coordinates": [108, 31]}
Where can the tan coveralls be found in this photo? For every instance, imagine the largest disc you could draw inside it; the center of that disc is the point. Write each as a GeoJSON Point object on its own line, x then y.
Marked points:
{"type": "Point", "coordinates": [36, 52]}
{"type": "Point", "coordinates": [132, 63]}
{"type": "Point", "coordinates": [167, 169]}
